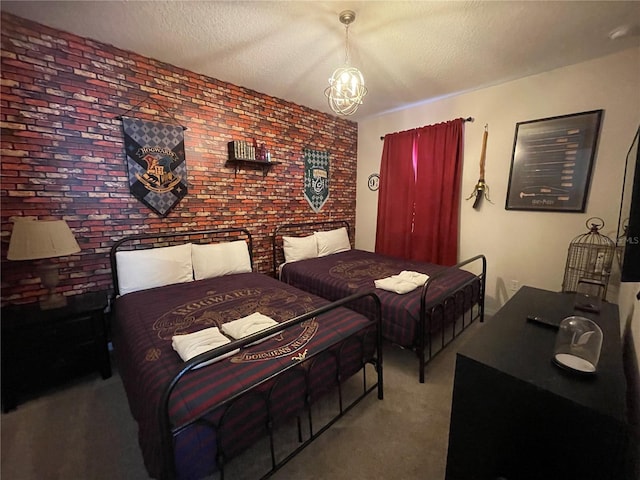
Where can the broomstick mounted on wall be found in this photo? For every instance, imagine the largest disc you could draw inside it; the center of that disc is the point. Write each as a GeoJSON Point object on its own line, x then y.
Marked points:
{"type": "Point", "coordinates": [481, 189]}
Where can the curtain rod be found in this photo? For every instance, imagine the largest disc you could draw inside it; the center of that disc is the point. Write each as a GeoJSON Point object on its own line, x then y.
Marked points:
{"type": "Point", "coordinates": [468, 119]}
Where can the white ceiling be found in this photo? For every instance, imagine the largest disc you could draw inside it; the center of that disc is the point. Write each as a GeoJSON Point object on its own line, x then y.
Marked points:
{"type": "Point", "coordinates": [408, 51]}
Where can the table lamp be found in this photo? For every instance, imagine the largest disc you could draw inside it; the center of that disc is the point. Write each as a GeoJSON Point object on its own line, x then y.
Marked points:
{"type": "Point", "coordinates": [33, 239]}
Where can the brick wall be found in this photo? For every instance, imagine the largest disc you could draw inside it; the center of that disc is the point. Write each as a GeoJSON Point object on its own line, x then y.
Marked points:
{"type": "Point", "coordinates": [63, 154]}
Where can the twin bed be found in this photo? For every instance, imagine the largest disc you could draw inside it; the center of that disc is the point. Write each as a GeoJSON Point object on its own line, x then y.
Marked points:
{"type": "Point", "coordinates": [425, 320]}
{"type": "Point", "coordinates": [196, 414]}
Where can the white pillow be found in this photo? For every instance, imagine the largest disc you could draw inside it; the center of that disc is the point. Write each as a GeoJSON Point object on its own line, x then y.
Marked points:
{"type": "Point", "coordinates": [299, 248]}
{"type": "Point", "coordinates": [332, 241]}
{"type": "Point", "coordinates": [155, 267]}
{"type": "Point", "coordinates": [218, 259]}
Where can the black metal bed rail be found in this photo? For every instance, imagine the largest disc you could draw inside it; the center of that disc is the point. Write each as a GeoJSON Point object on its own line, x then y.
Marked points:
{"type": "Point", "coordinates": [276, 465]}
{"type": "Point", "coordinates": [169, 431]}
{"type": "Point", "coordinates": [298, 228]}
{"type": "Point", "coordinates": [150, 240]}
{"type": "Point", "coordinates": [425, 331]}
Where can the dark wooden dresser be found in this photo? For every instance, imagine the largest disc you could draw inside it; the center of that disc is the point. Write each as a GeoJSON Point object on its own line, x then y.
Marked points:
{"type": "Point", "coordinates": [517, 416]}
{"type": "Point", "coordinates": [43, 348]}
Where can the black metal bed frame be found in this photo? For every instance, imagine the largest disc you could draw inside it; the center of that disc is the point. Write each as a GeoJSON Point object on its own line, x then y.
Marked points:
{"type": "Point", "coordinates": [424, 340]}
{"type": "Point", "coordinates": [465, 293]}
{"type": "Point", "coordinates": [170, 431]}
{"type": "Point", "coordinates": [277, 250]}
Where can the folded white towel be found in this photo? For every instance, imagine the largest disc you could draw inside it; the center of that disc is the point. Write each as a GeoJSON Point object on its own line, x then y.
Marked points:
{"type": "Point", "coordinates": [395, 285]}
{"type": "Point", "coordinates": [414, 277]}
{"type": "Point", "coordinates": [405, 282]}
{"type": "Point", "coordinates": [249, 325]}
{"type": "Point", "coordinates": [193, 344]}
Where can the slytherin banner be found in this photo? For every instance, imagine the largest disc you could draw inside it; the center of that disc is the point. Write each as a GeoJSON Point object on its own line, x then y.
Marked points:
{"type": "Point", "coordinates": [316, 178]}
{"type": "Point", "coordinates": [156, 163]}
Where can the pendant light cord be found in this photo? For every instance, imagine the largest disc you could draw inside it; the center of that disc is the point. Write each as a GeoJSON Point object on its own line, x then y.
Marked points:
{"type": "Point", "coordinates": [346, 45]}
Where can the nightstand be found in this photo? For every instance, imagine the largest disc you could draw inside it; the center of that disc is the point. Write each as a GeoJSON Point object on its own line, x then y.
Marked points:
{"type": "Point", "coordinates": [45, 348]}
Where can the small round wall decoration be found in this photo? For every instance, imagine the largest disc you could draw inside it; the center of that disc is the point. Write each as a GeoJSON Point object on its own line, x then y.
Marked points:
{"type": "Point", "coordinates": [373, 182]}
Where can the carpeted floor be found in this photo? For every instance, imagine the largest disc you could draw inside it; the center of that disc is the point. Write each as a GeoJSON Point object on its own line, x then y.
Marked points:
{"type": "Point", "coordinates": [85, 431]}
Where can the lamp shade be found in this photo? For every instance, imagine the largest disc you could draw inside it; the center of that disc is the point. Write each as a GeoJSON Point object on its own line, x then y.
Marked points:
{"type": "Point", "coordinates": [34, 239]}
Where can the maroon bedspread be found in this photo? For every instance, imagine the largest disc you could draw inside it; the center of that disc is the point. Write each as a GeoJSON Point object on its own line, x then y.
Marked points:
{"type": "Point", "coordinates": [341, 274]}
{"type": "Point", "coordinates": [145, 322]}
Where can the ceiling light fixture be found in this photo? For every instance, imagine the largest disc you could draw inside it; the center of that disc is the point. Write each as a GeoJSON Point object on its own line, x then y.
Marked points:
{"type": "Point", "coordinates": [346, 86]}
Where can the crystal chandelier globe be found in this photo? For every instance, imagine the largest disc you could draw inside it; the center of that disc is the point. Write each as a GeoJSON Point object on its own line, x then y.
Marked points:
{"type": "Point", "coordinates": [346, 86]}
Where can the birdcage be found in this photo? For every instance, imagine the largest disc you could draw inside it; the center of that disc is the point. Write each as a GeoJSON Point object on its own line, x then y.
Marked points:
{"type": "Point", "coordinates": [589, 259]}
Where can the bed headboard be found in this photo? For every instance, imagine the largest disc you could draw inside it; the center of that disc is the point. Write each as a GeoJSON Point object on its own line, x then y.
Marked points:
{"type": "Point", "coordinates": [299, 230]}
{"type": "Point", "coordinates": [146, 241]}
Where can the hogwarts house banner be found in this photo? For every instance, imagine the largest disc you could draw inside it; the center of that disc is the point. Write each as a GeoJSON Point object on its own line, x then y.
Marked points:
{"type": "Point", "coordinates": [156, 163]}
{"type": "Point", "coordinates": [316, 178]}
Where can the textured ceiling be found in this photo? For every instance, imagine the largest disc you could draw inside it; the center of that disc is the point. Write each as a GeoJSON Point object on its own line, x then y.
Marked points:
{"type": "Point", "coordinates": [408, 52]}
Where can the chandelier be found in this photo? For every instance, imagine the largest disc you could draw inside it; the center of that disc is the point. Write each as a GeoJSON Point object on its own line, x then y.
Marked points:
{"type": "Point", "coordinates": [346, 86]}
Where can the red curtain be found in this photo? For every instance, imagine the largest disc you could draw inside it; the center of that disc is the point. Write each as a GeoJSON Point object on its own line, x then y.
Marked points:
{"type": "Point", "coordinates": [396, 195]}
{"type": "Point", "coordinates": [439, 158]}
{"type": "Point", "coordinates": [419, 197]}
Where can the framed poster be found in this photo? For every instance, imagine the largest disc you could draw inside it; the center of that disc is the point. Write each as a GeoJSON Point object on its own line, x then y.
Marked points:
{"type": "Point", "coordinates": [552, 161]}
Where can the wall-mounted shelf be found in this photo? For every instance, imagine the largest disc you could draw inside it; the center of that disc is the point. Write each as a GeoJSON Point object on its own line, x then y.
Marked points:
{"type": "Point", "coordinates": [244, 154]}
{"type": "Point", "coordinates": [239, 163]}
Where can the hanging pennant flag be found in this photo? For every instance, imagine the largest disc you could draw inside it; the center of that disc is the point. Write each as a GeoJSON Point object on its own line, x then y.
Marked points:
{"type": "Point", "coordinates": [156, 163]}
{"type": "Point", "coordinates": [316, 178]}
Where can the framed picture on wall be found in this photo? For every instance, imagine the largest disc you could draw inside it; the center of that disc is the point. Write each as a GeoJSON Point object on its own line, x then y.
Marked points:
{"type": "Point", "coordinates": [552, 161]}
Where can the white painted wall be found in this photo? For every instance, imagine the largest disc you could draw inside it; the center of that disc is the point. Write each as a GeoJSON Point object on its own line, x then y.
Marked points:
{"type": "Point", "coordinates": [529, 247]}
{"type": "Point", "coordinates": [630, 309]}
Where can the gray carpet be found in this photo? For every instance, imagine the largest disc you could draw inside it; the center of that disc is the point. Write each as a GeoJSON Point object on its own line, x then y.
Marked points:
{"type": "Point", "coordinates": [85, 431]}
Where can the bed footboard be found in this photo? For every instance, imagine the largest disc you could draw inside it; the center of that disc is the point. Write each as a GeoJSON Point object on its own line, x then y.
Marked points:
{"type": "Point", "coordinates": [372, 337]}
{"type": "Point", "coordinates": [434, 333]}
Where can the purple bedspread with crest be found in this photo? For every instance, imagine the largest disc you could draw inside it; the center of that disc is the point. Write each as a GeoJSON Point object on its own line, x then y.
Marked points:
{"type": "Point", "coordinates": [341, 274]}
{"type": "Point", "coordinates": [144, 323]}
